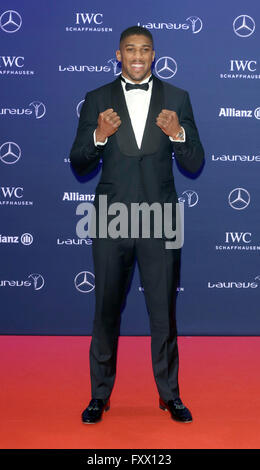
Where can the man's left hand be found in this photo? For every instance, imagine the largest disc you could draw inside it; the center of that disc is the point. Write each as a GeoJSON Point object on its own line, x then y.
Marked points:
{"type": "Point", "coordinates": [168, 121]}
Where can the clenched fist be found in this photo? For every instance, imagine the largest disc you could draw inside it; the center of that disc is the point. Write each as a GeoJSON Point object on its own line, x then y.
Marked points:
{"type": "Point", "coordinates": [108, 123]}
{"type": "Point", "coordinates": [168, 121]}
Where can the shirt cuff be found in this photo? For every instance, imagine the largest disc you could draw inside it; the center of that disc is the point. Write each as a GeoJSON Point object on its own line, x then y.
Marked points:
{"type": "Point", "coordinates": [179, 140]}
{"type": "Point", "coordinates": [98, 143]}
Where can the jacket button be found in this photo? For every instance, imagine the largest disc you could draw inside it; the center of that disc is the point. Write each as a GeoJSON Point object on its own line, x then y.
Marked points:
{"type": "Point", "coordinates": [140, 159]}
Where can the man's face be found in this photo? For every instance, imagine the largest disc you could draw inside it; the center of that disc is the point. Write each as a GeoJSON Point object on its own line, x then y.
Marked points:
{"type": "Point", "coordinates": [136, 55]}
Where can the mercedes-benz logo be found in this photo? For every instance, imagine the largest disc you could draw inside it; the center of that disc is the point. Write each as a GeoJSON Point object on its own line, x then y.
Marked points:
{"type": "Point", "coordinates": [39, 109]}
{"type": "Point", "coordinates": [192, 197]}
{"type": "Point", "coordinates": [243, 26]}
{"type": "Point", "coordinates": [78, 109]}
{"type": "Point", "coordinates": [85, 281]}
{"type": "Point", "coordinates": [38, 281]}
{"type": "Point", "coordinates": [10, 21]}
{"type": "Point", "coordinates": [239, 198]}
{"type": "Point", "coordinates": [10, 153]}
{"type": "Point", "coordinates": [166, 67]}
{"type": "Point", "coordinates": [196, 24]}
{"type": "Point", "coordinates": [257, 113]}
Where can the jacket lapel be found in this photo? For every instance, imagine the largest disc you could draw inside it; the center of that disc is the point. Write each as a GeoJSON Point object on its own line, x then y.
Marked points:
{"type": "Point", "coordinates": [125, 133]}
{"type": "Point", "coordinates": [152, 133]}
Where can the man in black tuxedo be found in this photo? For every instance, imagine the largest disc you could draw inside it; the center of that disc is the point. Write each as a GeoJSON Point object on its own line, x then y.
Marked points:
{"type": "Point", "coordinates": [135, 124]}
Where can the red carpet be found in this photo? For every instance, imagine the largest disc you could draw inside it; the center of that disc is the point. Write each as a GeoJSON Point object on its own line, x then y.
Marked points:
{"type": "Point", "coordinates": [45, 386]}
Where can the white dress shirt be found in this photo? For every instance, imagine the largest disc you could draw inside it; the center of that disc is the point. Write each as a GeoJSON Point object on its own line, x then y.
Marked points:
{"type": "Point", "coordinates": [138, 102]}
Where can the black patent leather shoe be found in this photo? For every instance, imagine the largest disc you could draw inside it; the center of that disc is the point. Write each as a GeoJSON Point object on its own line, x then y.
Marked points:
{"type": "Point", "coordinates": [177, 409]}
{"type": "Point", "coordinates": [93, 413]}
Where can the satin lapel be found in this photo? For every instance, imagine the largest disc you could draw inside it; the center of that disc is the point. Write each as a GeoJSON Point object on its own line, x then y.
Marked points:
{"type": "Point", "coordinates": [152, 133]}
{"type": "Point", "coordinates": [125, 134]}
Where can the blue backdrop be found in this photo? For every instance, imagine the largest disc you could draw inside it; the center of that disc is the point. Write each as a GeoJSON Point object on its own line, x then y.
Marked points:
{"type": "Point", "coordinates": [52, 53]}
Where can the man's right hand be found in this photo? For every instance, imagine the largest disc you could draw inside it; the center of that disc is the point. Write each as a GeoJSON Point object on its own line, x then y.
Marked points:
{"type": "Point", "coordinates": [108, 123]}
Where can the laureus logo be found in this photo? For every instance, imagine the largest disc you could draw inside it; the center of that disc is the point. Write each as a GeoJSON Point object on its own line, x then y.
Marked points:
{"type": "Point", "coordinates": [196, 24]}
{"type": "Point", "coordinates": [115, 65]}
{"type": "Point", "coordinates": [189, 197]}
{"type": "Point", "coordinates": [78, 108]}
{"type": "Point", "coordinates": [34, 280]}
{"type": "Point", "coordinates": [37, 281]}
{"type": "Point", "coordinates": [192, 23]}
{"type": "Point", "coordinates": [39, 109]}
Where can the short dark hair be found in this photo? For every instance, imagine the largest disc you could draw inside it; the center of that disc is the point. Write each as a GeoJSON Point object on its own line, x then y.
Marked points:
{"type": "Point", "coordinates": [136, 30]}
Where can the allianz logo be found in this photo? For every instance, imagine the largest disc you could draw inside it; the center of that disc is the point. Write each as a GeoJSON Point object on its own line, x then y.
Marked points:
{"type": "Point", "coordinates": [75, 196]}
{"type": "Point", "coordinates": [26, 239]}
{"type": "Point", "coordinates": [234, 284]}
{"type": "Point", "coordinates": [235, 158]}
{"type": "Point", "coordinates": [239, 113]}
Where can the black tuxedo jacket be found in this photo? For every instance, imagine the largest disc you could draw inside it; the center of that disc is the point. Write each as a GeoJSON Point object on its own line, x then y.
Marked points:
{"type": "Point", "coordinates": [130, 174]}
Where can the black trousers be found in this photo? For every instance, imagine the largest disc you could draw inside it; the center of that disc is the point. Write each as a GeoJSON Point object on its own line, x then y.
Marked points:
{"type": "Point", "coordinates": [114, 261]}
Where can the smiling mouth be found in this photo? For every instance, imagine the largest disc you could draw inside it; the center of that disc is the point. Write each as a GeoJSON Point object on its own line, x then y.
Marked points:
{"type": "Point", "coordinates": [137, 66]}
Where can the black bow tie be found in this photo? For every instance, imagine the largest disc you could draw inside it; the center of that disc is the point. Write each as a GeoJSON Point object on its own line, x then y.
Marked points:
{"type": "Point", "coordinates": [137, 86]}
